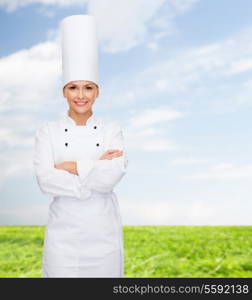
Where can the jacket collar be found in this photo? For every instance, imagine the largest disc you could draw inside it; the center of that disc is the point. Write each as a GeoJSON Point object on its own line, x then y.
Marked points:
{"type": "Point", "coordinates": [92, 120]}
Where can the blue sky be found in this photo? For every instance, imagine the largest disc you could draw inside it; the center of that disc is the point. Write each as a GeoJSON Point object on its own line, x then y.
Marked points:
{"type": "Point", "coordinates": [177, 76]}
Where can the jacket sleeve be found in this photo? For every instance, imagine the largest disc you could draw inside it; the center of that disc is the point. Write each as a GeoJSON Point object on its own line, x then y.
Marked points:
{"type": "Point", "coordinates": [53, 181]}
{"type": "Point", "coordinates": [103, 175]}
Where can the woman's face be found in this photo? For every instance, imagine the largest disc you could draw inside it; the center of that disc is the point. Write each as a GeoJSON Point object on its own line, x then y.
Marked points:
{"type": "Point", "coordinates": [80, 95]}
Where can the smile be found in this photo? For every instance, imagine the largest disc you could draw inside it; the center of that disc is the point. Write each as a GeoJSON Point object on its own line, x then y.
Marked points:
{"type": "Point", "coordinates": [79, 103]}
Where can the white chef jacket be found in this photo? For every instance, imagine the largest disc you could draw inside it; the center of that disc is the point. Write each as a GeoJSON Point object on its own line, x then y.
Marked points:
{"type": "Point", "coordinates": [84, 236]}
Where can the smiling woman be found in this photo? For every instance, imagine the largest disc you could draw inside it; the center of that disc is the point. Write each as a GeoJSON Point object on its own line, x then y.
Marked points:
{"type": "Point", "coordinates": [78, 160]}
{"type": "Point", "coordinates": [80, 95]}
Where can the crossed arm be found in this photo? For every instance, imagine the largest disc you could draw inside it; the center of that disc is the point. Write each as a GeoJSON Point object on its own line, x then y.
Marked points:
{"type": "Point", "coordinates": [71, 166]}
{"type": "Point", "coordinates": [99, 175]}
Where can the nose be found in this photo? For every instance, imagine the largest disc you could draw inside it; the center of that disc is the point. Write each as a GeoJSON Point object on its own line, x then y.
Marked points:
{"type": "Point", "coordinates": [80, 94]}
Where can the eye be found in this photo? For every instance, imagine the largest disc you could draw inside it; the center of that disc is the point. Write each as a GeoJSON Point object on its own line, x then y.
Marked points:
{"type": "Point", "coordinates": [89, 87]}
{"type": "Point", "coordinates": [72, 87]}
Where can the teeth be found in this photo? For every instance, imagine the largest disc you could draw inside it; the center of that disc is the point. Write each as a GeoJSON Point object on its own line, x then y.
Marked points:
{"type": "Point", "coordinates": [81, 103]}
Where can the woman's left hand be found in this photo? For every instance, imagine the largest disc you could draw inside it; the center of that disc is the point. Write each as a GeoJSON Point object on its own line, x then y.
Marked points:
{"type": "Point", "coordinates": [69, 166]}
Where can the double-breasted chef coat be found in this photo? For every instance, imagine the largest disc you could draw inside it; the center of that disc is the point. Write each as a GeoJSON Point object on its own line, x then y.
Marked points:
{"type": "Point", "coordinates": [83, 236]}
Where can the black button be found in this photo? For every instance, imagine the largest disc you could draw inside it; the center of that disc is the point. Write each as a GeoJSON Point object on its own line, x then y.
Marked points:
{"type": "Point", "coordinates": [97, 144]}
{"type": "Point", "coordinates": [66, 144]}
{"type": "Point", "coordinates": [66, 129]}
{"type": "Point", "coordinates": [95, 127]}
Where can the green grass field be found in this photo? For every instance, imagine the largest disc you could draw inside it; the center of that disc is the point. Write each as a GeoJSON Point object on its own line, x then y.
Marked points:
{"type": "Point", "coordinates": [150, 251]}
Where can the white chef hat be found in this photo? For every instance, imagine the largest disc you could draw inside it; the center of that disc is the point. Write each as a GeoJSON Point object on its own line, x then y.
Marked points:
{"type": "Point", "coordinates": [79, 49]}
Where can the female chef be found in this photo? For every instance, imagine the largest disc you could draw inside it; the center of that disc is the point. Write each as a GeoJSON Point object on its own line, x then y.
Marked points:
{"type": "Point", "coordinates": [79, 159]}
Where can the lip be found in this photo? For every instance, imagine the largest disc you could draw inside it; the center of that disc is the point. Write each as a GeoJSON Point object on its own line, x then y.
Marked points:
{"type": "Point", "coordinates": [80, 103]}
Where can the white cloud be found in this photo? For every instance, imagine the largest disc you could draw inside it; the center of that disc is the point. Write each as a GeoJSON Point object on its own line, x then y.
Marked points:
{"type": "Point", "coordinates": [223, 171]}
{"type": "Point", "coordinates": [194, 66]}
{"type": "Point", "coordinates": [128, 21]}
{"type": "Point", "coordinates": [143, 131]}
{"type": "Point", "coordinates": [123, 25]}
{"type": "Point", "coordinates": [46, 11]}
{"type": "Point", "coordinates": [16, 130]}
{"type": "Point", "coordinates": [29, 77]}
{"type": "Point", "coordinates": [154, 116]}
{"type": "Point", "coordinates": [184, 161]}
{"type": "Point", "coordinates": [204, 75]}
{"type": "Point", "coordinates": [240, 66]}
{"type": "Point", "coordinates": [152, 45]}
{"type": "Point", "coordinates": [155, 213]}
{"type": "Point", "coordinates": [32, 214]}
{"type": "Point", "coordinates": [158, 144]}
{"type": "Point", "coordinates": [183, 5]}
{"type": "Point", "coordinates": [12, 5]}
{"type": "Point", "coordinates": [15, 163]}
{"type": "Point", "coordinates": [29, 80]}
{"type": "Point", "coordinates": [190, 213]}
{"type": "Point", "coordinates": [148, 139]}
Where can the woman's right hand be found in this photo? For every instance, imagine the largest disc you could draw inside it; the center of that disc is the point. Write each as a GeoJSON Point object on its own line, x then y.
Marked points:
{"type": "Point", "coordinates": [110, 154]}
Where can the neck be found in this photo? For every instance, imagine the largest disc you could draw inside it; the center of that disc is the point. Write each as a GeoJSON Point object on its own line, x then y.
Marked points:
{"type": "Point", "coordinates": [80, 119]}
